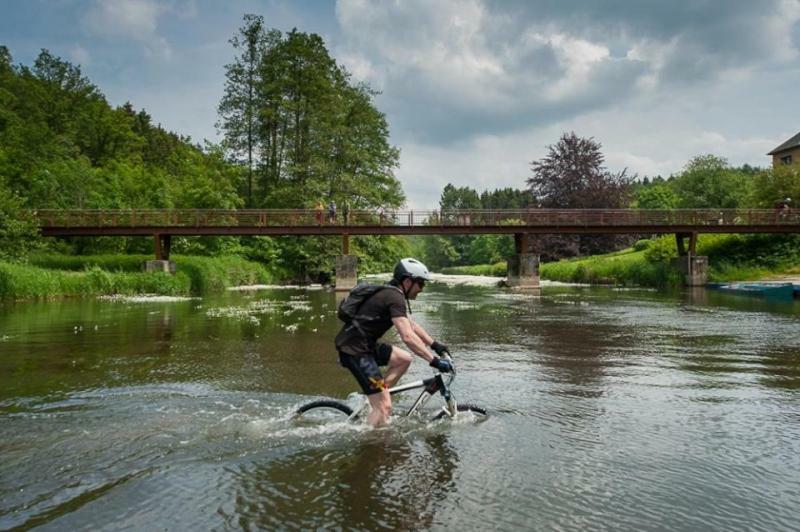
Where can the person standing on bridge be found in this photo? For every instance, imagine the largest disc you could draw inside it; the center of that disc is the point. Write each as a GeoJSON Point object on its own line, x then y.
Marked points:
{"type": "Point", "coordinates": [320, 208]}
{"type": "Point", "coordinates": [346, 212]}
{"type": "Point", "coordinates": [332, 212]}
{"type": "Point", "coordinates": [361, 353]}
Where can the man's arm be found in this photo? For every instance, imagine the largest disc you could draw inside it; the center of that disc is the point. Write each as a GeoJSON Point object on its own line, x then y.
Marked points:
{"type": "Point", "coordinates": [419, 331]}
{"type": "Point", "coordinates": [410, 334]}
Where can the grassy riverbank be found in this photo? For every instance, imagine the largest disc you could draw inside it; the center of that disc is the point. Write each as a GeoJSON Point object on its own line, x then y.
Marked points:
{"type": "Point", "coordinates": [47, 276]}
{"type": "Point", "coordinates": [731, 258]}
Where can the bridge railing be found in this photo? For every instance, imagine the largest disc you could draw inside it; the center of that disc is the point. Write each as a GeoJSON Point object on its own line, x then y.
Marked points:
{"type": "Point", "coordinates": [464, 217]}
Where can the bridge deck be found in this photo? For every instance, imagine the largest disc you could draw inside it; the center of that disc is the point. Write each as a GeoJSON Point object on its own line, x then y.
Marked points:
{"type": "Point", "coordinates": [410, 222]}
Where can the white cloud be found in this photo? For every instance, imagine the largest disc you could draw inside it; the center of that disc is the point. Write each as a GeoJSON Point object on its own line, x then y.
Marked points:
{"type": "Point", "coordinates": [134, 20]}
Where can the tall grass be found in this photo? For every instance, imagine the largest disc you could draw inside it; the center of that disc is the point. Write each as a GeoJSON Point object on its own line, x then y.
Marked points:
{"type": "Point", "coordinates": [648, 263]}
{"type": "Point", "coordinates": [59, 275]}
{"type": "Point", "coordinates": [628, 268]}
{"type": "Point", "coordinates": [24, 281]}
{"type": "Point", "coordinates": [490, 270]}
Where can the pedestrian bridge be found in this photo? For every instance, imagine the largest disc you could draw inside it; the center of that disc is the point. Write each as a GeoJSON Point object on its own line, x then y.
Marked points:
{"type": "Point", "coordinates": [523, 268]}
{"type": "Point", "coordinates": [99, 222]}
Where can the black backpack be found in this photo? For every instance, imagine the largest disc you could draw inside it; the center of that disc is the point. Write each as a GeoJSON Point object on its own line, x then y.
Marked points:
{"type": "Point", "coordinates": [349, 307]}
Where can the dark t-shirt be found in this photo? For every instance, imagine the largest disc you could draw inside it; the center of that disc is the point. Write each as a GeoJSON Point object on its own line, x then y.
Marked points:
{"type": "Point", "coordinates": [360, 338]}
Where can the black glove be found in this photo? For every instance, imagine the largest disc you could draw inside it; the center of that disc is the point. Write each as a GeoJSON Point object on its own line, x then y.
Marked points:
{"type": "Point", "coordinates": [440, 348]}
{"type": "Point", "coordinates": [445, 366]}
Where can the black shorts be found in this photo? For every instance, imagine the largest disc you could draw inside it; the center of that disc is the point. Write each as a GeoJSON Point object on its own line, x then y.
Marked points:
{"type": "Point", "coordinates": [365, 368]}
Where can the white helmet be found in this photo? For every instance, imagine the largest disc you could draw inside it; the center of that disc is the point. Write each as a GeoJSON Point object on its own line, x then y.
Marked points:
{"type": "Point", "coordinates": [411, 268]}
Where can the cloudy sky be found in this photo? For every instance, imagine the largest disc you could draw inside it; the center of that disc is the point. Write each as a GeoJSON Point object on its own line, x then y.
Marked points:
{"type": "Point", "coordinates": [474, 90]}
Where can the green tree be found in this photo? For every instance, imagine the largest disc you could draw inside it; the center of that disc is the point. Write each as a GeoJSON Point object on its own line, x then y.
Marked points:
{"type": "Point", "coordinates": [319, 135]}
{"type": "Point", "coordinates": [18, 227]}
{"type": "Point", "coordinates": [239, 106]}
{"type": "Point", "coordinates": [773, 185]}
{"type": "Point", "coordinates": [708, 181]}
{"type": "Point", "coordinates": [658, 195]}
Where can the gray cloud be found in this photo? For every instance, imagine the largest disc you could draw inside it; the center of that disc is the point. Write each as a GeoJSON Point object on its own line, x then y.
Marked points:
{"type": "Point", "coordinates": [451, 70]}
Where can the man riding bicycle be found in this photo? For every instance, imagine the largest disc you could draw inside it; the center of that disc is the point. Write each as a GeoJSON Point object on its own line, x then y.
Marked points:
{"type": "Point", "coordinates": [361, 353]}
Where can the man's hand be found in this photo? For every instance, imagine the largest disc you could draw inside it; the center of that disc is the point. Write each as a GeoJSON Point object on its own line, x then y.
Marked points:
{"type": "Point", "coordinates": [440, 348]}
{"type": "Point", "coordinates": [445, 366]}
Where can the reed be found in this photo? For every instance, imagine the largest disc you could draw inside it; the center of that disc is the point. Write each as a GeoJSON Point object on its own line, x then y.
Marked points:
{"type": "Point", "coordinates": [51, 276]}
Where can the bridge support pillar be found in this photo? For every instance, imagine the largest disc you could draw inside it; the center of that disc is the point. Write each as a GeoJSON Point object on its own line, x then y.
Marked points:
{"type": "Point", "coordinates": [346, 272]}
{"type": "Point", "coordinates": [163, 243]}
{"type": "Point", "coordinates": [523, 270]}
{"type": "Point", "coordinates": [166, 266]}
{"type": "Point", "coordinates": [694, 269]}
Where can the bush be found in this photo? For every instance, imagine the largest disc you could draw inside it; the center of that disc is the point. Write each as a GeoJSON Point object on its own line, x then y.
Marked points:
{"type": "Point", "coordinates": [661, 250]}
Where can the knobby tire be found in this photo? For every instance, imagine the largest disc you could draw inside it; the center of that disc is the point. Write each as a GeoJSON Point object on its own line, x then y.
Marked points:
{"type": "Point", "coordinates": [328, 404]}
{"type": "Point", "coordinates": [466, 407]}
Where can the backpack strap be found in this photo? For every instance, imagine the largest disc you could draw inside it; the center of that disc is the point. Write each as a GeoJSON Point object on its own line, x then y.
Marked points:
{"type": "Point", "coordinates": [354, 322]}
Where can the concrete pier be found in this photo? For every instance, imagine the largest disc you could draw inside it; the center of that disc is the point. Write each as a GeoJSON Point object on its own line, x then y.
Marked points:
{"type": "Point", "coordinates": [523, 270]}
{"type": "Point", "coordinates": [694, 269]}
{"type": "Point", "coordinates": [346, 272]}
{"type": "Point", "coordinates": [166, 266]}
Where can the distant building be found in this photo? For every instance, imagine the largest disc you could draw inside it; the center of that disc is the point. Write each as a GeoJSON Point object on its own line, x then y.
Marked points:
{"type": "Point", "coordinates": [787, 153]}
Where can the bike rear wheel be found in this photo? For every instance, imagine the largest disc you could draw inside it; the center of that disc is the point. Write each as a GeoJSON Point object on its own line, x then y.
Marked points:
{"type": "Point", "coordinates": [479, 413]}
{"type": "Point", "coordinates": [324, 409]}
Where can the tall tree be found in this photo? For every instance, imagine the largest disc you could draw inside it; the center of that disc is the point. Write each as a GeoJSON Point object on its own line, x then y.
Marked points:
{"type": "Point", "coordinates": [239, 106]}
{"type": "Point", "coordinates": [318, 135]}
{"type": "Point", "coordinates": [572, 176]}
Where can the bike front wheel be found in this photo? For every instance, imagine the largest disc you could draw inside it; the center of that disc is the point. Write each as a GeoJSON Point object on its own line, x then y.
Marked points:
{"type": "Point", "coordinates": [324, 409]}
{"type": "Point", "coordinates": [479, 413]}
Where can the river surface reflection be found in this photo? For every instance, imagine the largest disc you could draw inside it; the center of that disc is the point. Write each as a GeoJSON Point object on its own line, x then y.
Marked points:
{"type": "Point", "coordinates": [610, 409]}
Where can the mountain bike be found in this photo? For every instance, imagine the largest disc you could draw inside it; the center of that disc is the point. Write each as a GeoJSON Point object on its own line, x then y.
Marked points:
{"type": "Point", "coordinates": [438, 384]}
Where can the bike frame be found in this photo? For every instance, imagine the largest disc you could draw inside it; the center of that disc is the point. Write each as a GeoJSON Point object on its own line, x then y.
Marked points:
{"type": "Point", "coordinates": [429, 386]}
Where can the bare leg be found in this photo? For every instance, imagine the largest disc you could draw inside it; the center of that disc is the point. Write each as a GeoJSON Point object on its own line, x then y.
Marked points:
{"type": "Point", "coordinates": [399, 361]}
{"type": "Point", "coordinates": [381, 404]}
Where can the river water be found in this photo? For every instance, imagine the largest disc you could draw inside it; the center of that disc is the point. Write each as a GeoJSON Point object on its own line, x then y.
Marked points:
{"type": "Point", "coordinates": [609, 410]}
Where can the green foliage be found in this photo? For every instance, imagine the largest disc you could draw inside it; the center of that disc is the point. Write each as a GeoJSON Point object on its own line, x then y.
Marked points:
{"type": "Point", "coordinates": [708, 181]}
{"type": "Point", "coordinates": [627, 267]}
{"type": "Point", "coordinates": [661, 250]}
{"type": "Point", "coordinates": [769, 252]}
{"type": "Point", "coordinates": [64, 146]}
{"type": "Point", "coordinates": [435, 251]}
{"type": "Point", "coordinates": [774, 185]}
{"type": "Point", "coordinates": [490, 249]}
{"type": "Point", "coordinates": [440, 252]}
{"type": "Point", "coordinates": [454, 198]}
{"type": "Point", "coordinates": [731, 257]}
{"type": "Point", "coordinates": [200, 274]}
{"type": "Point", "coordinates": [379, 254]}
{"type": "Point", "coordinates": [25, 281]}
{"type": "Point", "coordinates": [498, 269]}
{"type": "Point", "coordinates": [656, 196]}
{"type": "Point", "coordinates": [301, 127]}
{"type": "Point", "coordinates": [18, 228]}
